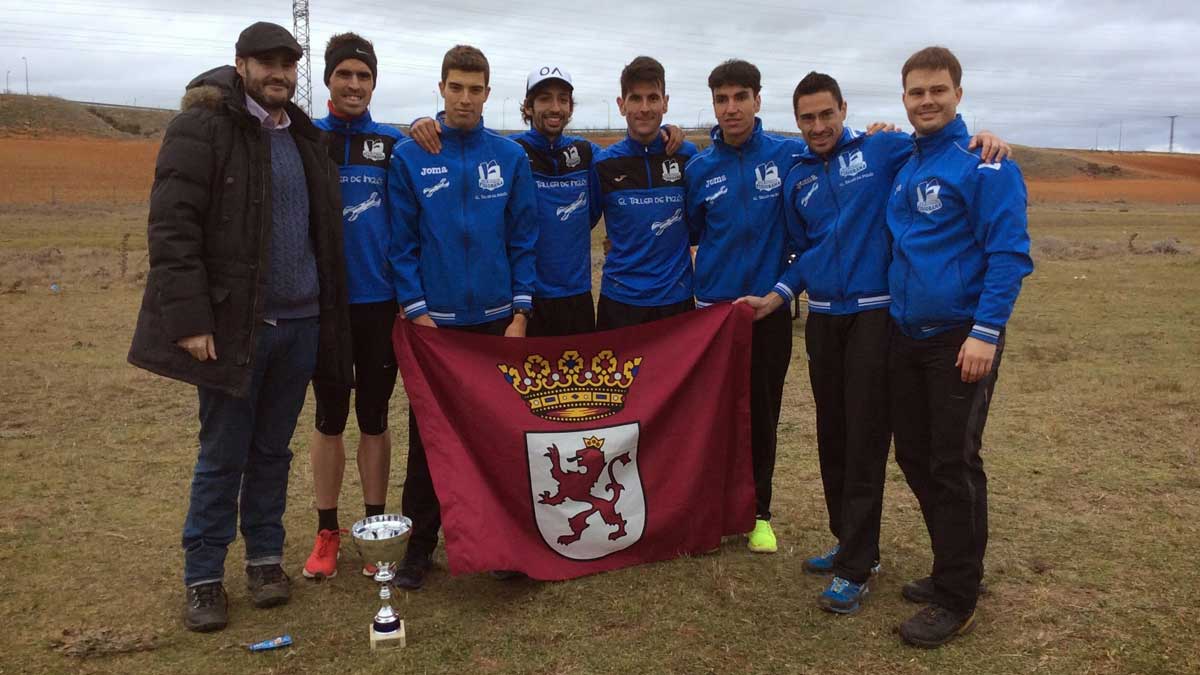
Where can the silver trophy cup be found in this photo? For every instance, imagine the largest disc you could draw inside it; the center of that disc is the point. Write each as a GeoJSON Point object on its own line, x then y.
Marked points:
{"type": "Point", "coordinates": [381, 539]}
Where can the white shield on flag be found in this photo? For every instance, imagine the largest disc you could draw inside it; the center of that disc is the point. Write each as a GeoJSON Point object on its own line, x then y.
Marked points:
{"type": "Point", "coordinates": [586, 489]}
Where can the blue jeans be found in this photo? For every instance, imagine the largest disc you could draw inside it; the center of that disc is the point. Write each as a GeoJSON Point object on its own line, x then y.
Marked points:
{"type": "Point", "coordinates": [244, 455]}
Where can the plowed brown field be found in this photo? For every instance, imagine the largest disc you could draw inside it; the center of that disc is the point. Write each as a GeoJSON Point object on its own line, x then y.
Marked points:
{"type": "Point", "coordinates": [1142, 191]}
{"type": "Point", "coordinates": [75, 171]}
{"type": "Point", "coordinates": [89, 170]}
{"type": "Point", "coordinates": [1153, 178]}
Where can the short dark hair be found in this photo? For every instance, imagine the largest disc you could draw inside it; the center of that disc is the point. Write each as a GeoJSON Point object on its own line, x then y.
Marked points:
{"type": "Point", "coordinates": [468, 59]}
{"type": "Point", "coordinates": [933, 58]}
{"type": "Point", "coordinates": [815, 83]}
{"type": "Point", "coordinates": [643, 69]}
{"type": "Point", "coordinates": [736, 72]}
{"type": "Point", "coordinates": [343, 39]}
{"type": "Point", "coordinates": [527, 104]}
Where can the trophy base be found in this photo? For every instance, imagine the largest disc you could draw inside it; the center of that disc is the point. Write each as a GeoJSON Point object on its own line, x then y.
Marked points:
{"type": "Point", "coordinates": [390, 639]}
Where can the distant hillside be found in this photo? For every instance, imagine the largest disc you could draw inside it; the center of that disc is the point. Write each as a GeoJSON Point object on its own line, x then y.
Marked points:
{"type": "Point", "coordinates": [50, 117]}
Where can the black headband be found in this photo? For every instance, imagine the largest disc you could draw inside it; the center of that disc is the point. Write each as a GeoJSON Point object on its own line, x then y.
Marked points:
{"type": "Point", "coordinates": [353, 49]}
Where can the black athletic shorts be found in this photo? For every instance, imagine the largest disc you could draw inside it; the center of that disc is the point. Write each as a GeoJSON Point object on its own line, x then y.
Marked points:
{"type": "Point", "coordinates": [611, 314]}
{"type": "Point", "coordinates": [374, 373]}
{"type": "Point", "coordinates": [571, 315]}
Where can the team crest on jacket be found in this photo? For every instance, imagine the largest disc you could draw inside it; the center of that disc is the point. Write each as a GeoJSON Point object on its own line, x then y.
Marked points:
{"type": "Point", "coordinates": [851, 163]}
{"type": "Point", "coordinates": [373, 150]}
{"type": "Point", "coordinates": [586, 490]}
{"type": "Point", "coordinates": [928, 196]}
{"type": "Point", "coordinates": [670, 171]}
{"type": "Point", "coordinates": [577, 390]}
{"type": "Point", "coordinates": [766, 176]}
{"type": "Point", "coordinates": [571, 157]}
{"type": "Point", "coordinates": [489, 175]}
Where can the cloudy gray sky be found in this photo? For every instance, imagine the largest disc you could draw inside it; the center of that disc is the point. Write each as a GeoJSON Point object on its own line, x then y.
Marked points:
{"type": "Point", "coordinates": [1066, 73]}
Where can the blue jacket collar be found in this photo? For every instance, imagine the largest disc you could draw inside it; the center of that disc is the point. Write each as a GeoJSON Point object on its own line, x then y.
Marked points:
{"type": "Point", "coordinates": [849, 137]}
{"type": "Point", "coordinates": [955, 131]}
{"type": "Point", "coordinates": [656, 146]}
{"type": "Point", "coordinates": [718, 137]}
{"type": "Point", "coordinates": [451, 133]}
{"type": "Point", "coordinates": [540, 141]}
{"type": "Point", "coordinates": [349, 126]}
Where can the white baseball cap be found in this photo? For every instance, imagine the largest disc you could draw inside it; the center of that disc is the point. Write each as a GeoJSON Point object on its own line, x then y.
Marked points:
{"type": "Point", "coordinates": [548, 72]}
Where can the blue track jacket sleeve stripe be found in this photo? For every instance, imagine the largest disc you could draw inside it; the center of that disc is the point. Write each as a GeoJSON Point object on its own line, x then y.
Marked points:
{"type": "Point", "coordinates": [521, 216]}
{"type": "Point", "coordinates": [404, 212]}
{"type": "Point", "coordinates": [1001, 228]}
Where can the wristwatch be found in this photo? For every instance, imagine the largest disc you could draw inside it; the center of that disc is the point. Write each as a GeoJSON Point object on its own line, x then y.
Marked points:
{"type": "Point", "coordinates": [523, 312]}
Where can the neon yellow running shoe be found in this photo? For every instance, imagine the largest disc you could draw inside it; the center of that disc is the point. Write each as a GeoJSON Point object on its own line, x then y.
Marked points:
{"type": "Point", "coordinates": [762, 539]}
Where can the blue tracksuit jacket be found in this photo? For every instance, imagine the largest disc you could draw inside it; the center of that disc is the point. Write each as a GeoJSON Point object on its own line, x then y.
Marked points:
{"type": "Point", "coordinates": [464, 226]}
{"type": "Point", "coordinates": [837, 222]}
{"type": "Point", "coordinates": [361, 147]}
{"type": "Point", "coordinates": [735, 211]}
{"type": "Point", "coordinates": [568, 208]}
{"type": "Point", "coordinates": [643, 197]}
{"type": "Point", "coordinates": [960, 242]}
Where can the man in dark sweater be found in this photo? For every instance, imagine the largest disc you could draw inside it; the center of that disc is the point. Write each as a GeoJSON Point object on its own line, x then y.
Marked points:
{"type": "Point", "coordinates": [246, 299]}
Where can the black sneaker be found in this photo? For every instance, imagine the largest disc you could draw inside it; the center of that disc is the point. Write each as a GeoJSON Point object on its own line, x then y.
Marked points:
{"type": "Point", "coordinates": [921, 591]}
{"type": "Point", "coordinates": [934, 626]}
{"type": "Point", "coordinates": [206, 608]}
{"type": "Point", "coordinates": [269, 585]}
{"type": "Point", "coordinates": [412, 572]}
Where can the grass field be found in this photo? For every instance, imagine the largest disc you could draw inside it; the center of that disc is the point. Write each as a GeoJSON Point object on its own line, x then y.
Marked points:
{"type": "Point", "coordinates": [1092, 450]}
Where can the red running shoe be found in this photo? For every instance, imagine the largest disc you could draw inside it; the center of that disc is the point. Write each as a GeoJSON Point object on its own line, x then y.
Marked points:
{"type": "Point", "coordinates": [322, 562]}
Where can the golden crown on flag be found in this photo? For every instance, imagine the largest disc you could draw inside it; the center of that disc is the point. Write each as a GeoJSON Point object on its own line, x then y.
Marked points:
{"type": "Point", "coordinates": [573, 392]}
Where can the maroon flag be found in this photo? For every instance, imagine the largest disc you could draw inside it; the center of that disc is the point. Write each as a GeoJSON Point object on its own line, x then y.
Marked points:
{"type": "Point", "coordinates": [560, 457]}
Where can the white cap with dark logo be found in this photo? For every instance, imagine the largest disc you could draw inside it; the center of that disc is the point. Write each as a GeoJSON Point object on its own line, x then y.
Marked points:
{"type": "Point", "coordinates": [548, 72]}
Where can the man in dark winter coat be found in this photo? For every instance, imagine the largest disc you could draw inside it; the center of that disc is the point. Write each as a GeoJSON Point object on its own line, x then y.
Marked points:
{"type": "Point", "coordinates": [246, 299]}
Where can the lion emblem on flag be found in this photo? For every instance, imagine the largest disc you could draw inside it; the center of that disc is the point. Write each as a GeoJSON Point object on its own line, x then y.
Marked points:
{"type": "Point", "coordinates": [588, 503]}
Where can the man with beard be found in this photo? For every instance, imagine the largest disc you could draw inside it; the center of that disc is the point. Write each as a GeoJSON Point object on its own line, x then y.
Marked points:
{"type": "Point", "coordinates": [361, 148]}
{"type": "Point", "coordinates": [246, 299]}
{"type": "Point", "coordinates": [568, 205]}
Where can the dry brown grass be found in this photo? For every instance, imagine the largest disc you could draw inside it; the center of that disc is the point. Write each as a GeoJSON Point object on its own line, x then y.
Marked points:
{"type": "Point", "coordinates": [1092, 450]}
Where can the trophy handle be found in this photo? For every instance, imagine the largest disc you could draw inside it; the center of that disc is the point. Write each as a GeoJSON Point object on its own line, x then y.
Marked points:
{"type": "Point", "coordinates": [383, 572]}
